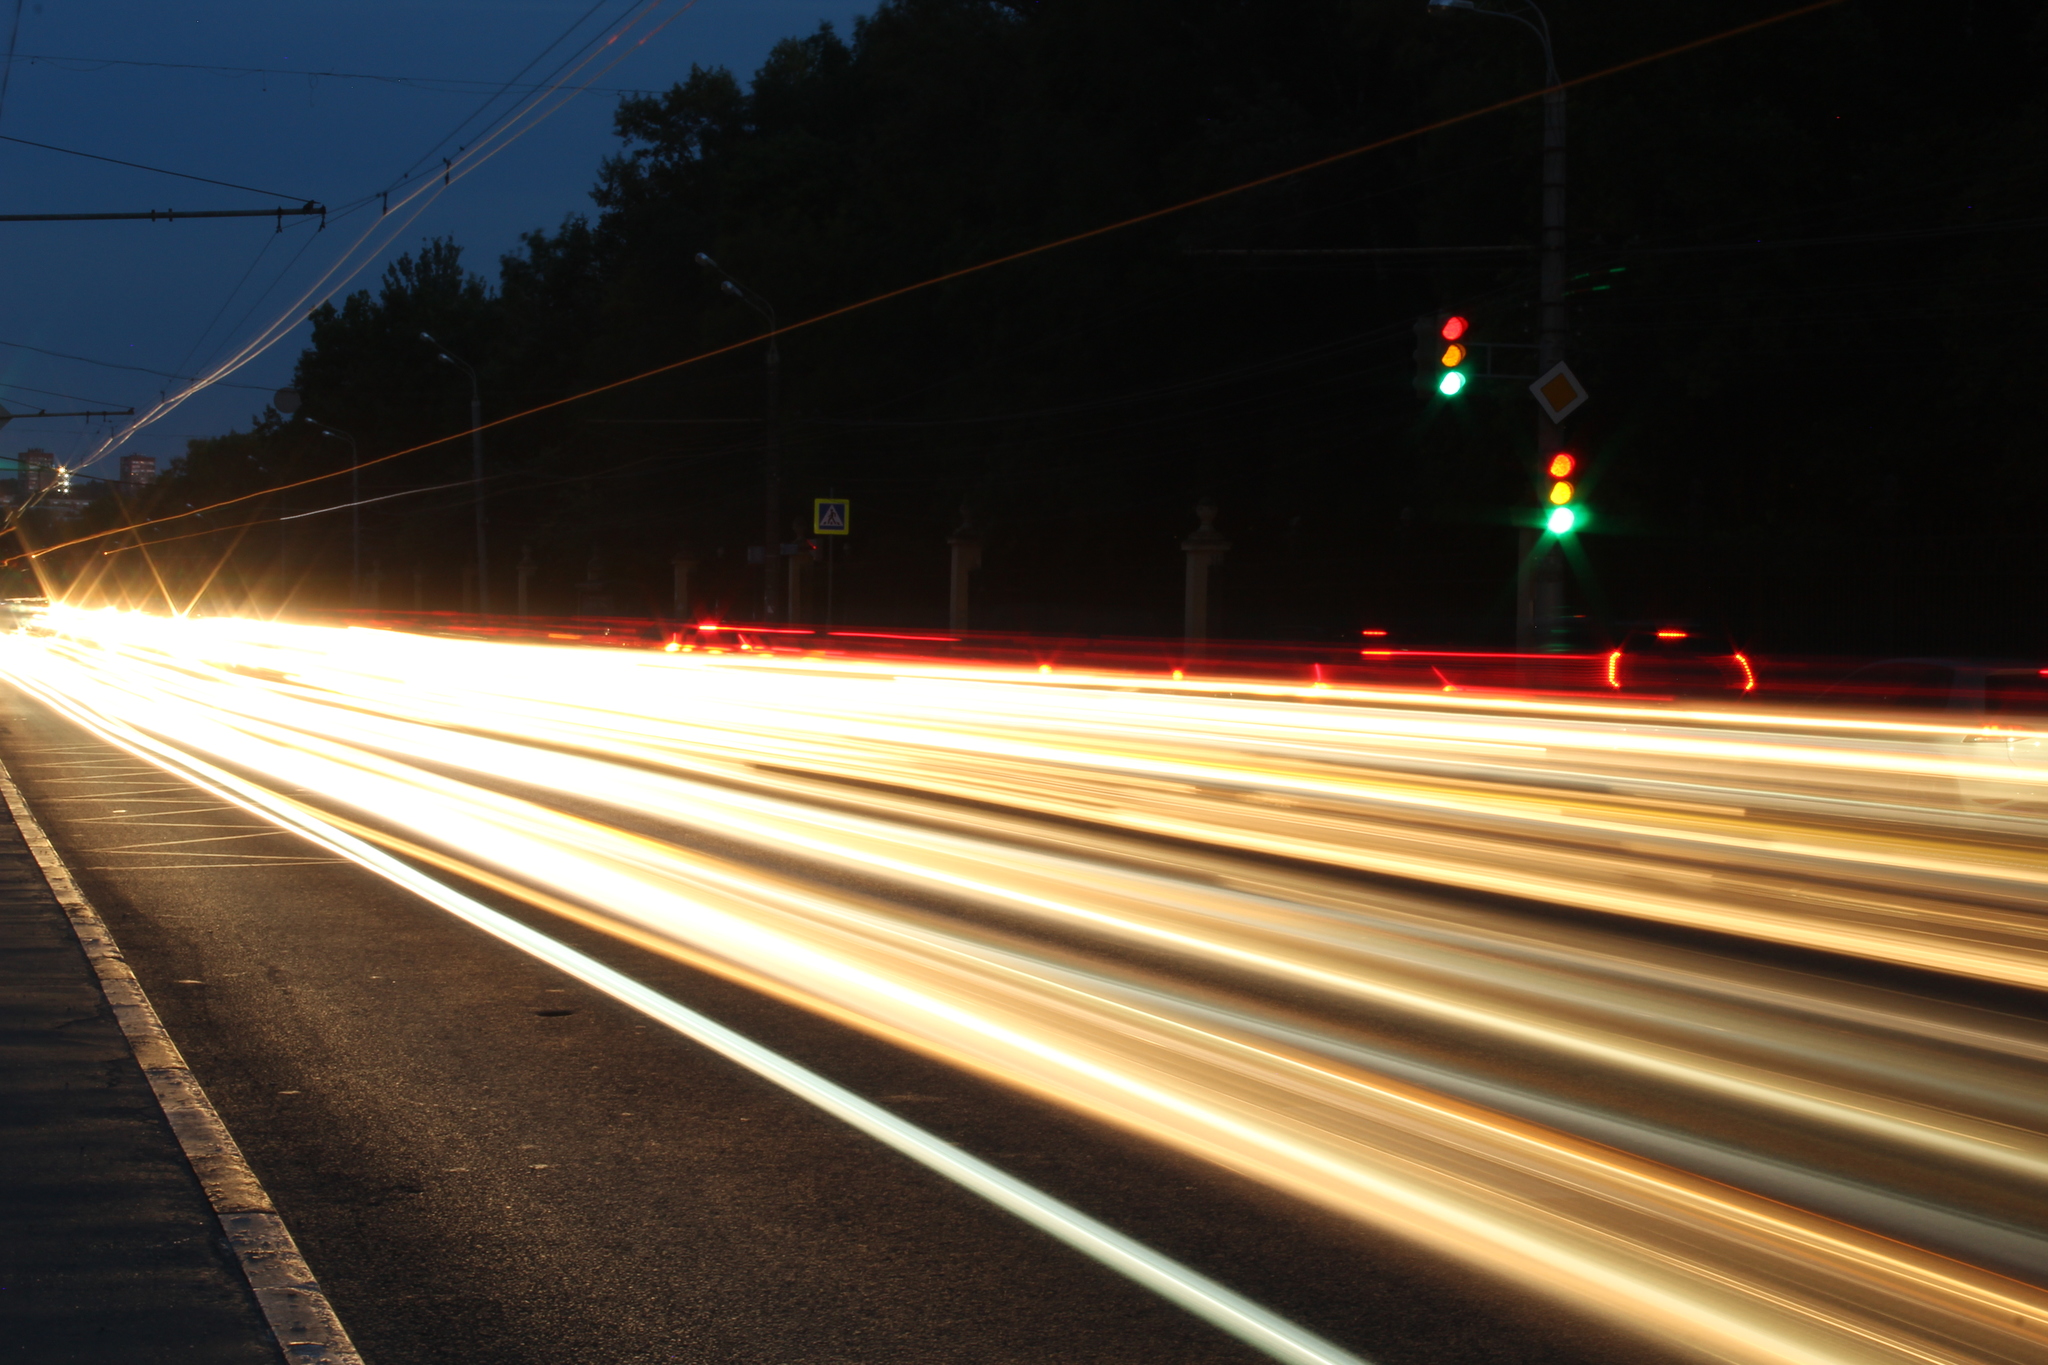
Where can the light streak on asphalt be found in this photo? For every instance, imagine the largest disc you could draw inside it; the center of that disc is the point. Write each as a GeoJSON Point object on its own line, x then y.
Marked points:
{"type": "Point", "coordinates": [1333, 940]}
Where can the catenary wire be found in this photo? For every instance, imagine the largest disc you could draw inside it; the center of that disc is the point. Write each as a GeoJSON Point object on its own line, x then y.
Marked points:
{"type": "Point", "coordinates": [429, 83]}
{"type": "Point", "coordinates": [157, 170]}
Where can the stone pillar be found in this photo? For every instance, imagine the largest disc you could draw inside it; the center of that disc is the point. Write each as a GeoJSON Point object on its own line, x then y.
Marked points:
{"type": "Point", "coordinates": [966, 543]}
{"type": "Point", "coordinates": [1205, 547]}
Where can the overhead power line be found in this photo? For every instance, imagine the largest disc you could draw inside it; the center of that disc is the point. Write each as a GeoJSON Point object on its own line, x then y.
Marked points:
{"type": "Point", "coordinates": [7, 73]}
{"type": "Point", "coordinates": [606, 49]}
{"type": "Point", "coordinates": [115, 365]}
{"type": "Point", "coordinates": [56, 393]}
{"type": "Point", "coordinates": [455, 85]}
{"type": "Point", "coordinates": [137, 165]}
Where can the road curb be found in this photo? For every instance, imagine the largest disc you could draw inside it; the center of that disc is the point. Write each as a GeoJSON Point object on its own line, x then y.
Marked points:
{"type": "Point", "coordinates": [307, 1330]}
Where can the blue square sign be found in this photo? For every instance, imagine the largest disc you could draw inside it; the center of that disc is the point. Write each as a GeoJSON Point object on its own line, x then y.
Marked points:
{"type": "Point", "coordinates": [831, 516]}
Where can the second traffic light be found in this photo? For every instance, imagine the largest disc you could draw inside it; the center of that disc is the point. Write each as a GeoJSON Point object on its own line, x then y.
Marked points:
{"type": "Point", "coordinates": [1563, 515]}
{"type": "Point", "coordinates": [1442, 348]}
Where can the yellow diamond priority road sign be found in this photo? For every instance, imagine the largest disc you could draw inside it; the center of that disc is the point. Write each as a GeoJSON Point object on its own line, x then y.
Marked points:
{"type": "Point", "coordinates": [1558, 391]}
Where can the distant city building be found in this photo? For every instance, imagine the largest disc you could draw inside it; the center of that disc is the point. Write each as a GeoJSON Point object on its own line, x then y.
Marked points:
{"type": "Point", "coordinates": [38, 469]}
{"type": "Point", "coordinates": [138, 469]}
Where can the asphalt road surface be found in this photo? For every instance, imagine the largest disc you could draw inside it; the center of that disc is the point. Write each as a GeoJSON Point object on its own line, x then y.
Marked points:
{"type": "Point", "coordinates": [485, 1161]}
{"type": "Point", "coordinates": [1444, 1029]}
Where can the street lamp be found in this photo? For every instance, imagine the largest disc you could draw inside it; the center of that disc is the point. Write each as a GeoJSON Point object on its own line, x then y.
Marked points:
{"type": "Point", "coordinates": [476, 472]}
{"type": "Point", "coordinates": [355, 515]}
{"type": "Point", "coordinates": [1540, 584]}
{"type": "Point", "coordinates": [771, 470]}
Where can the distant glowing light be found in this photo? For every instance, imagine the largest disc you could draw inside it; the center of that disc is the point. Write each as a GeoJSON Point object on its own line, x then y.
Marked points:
{"type": "Point", "coordinates": [1381, 632]}
{"type": "Point", "coordinates": [1561, 492]}
{"type": "Point", "coordinates": [1561, 466]}
{"type": "Point", "coordinates": [1452, 383]}
{"type": "Point", "coordinates": [1453, 328]}
{"type": "Point", "coordinates": [1454, 354]}
{"type": "Point", "coordinates": [1561, 520]}
{"type": "Point", "coordinates": [1614, 670]}
{"type": "Point", "coordinates": [1671, 635]}
{"type": "Point", "coordinates": [1749, 674]}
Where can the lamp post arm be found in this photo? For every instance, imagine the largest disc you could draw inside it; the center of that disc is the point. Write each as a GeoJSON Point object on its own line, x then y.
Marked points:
{"type": "Point", "coordinates": [1541, 28]}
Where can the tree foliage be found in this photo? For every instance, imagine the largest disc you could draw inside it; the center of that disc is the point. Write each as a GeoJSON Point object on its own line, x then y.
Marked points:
{"type": "Point", "coordinates": [1806, 302]}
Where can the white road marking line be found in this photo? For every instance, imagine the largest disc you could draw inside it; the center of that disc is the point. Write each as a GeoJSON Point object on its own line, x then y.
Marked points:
{"type": "Point", "coordinates": [1223, 1308]}
{"type": "Point", "coordinates": [207, 867]}
{"type": "Point", "coordinates": [307, 1331]}
{"type": "Point", "coordinates": [175, 843]}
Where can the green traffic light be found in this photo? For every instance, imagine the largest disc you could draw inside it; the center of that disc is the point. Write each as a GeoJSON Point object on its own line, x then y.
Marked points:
{"type": "Point", "coordinates": [1452, 383]}
{"type": "Point", "coordinates": [1561, 520]}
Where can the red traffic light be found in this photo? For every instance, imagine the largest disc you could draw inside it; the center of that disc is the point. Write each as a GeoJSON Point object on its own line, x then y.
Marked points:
{"type": "Point", "coordinates": [1453, 328]}
{"type": "Point", "coordinates": [1561, 466]}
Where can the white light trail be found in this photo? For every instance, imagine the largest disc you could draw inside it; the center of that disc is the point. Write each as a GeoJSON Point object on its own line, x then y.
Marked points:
{"type": "Point", "coordinates": [1730, 1159]}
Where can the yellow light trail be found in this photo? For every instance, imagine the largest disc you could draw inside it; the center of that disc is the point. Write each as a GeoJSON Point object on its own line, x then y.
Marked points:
{"type": "Point", "coordinates": [1069, 882]}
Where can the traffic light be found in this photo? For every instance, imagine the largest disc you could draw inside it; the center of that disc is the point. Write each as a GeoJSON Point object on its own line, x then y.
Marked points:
{"type": "Point", "coordinates": [1441, 350]}
{"type": "Point", "coordinates": [1563, 514]}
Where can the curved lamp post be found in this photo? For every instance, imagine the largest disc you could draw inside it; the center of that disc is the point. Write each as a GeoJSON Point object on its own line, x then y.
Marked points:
{"type": "Point", "coordinates": [771, 532]}
{"type": "Point", "coordinates": [355, 515]}
{"type": "Point", "coordinates": [476, 472]}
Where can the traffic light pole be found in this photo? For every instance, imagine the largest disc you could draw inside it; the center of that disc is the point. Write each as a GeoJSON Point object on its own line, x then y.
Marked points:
{"type": "Point", "coordinates": [1539, 586]}
{"type": "Point", "coordinates": [1539, 576]}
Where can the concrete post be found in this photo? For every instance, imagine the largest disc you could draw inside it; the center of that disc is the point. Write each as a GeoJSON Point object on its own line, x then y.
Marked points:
{"type": "Point", "coordinates": [799, 565]}
{"type": "Point", "coordinates": [681, 564]}
{"type": "Point", "coordinates": [1205, 547]}
{"type": "Point", "coordinates": [966, 543]}
{"type": "Point", "coordinates": [526, 572]}
{"type": "Point", "coordinates": [593, 594]}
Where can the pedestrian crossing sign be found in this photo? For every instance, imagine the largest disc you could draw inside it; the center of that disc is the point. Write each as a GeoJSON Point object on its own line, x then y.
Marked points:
{"type": "Point", "coordinates": [831, 516]}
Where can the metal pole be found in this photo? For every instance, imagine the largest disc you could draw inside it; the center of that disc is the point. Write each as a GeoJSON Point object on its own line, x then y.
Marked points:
{"type": "Point", "coordinates": [476, 467]}
{"type": "Point", "coordinates": [771, 540]}
{"type": "Point", "coordinates": [355, 516]}
{"type": "Point", "coordinates": [771, 472]}
{"type": "Point", "coordinates": [476, 470]}
{"type": "Point", "coordinates": [1542, 586]}
{"type": "Point", "coordinates": [1539, 572]}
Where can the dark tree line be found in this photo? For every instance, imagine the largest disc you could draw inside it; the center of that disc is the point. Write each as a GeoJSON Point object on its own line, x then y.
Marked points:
{"type": "Point", "coordinates": [1808, 303]}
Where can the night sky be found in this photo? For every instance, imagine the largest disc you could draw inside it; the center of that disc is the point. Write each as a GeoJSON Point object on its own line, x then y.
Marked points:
{"type": "Point", "coordinates": [151, 83]}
